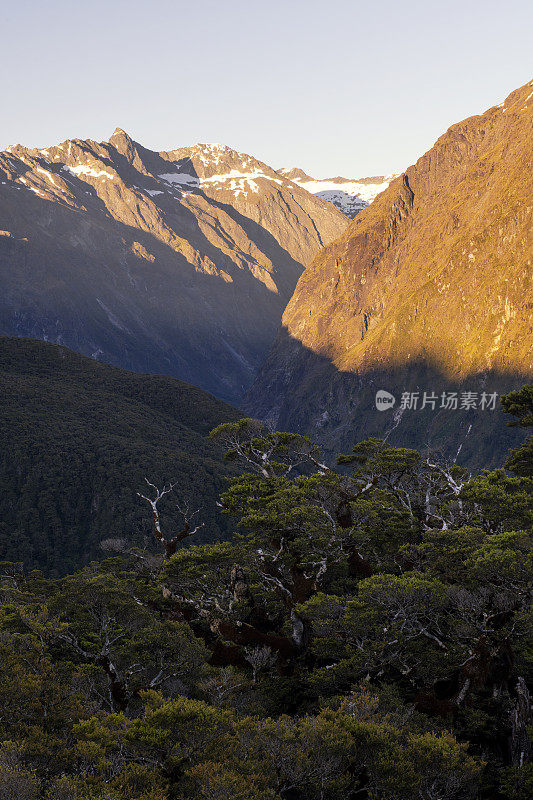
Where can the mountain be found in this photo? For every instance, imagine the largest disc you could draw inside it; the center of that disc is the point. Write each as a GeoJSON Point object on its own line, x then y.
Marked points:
{"type": "Point", "coordinates": [348, 195]}
{"type": "Point", "coordinates": [178, 262]}
{"type": "Point", "coordinates": [429, 289]}
{"type": "Point", "coordinates": [78, 440]}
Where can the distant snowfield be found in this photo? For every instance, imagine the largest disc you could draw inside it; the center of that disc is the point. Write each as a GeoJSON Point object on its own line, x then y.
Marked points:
{"type": "Point", "coordinates": [348, 196]}
{"type": "Point", "coordinates": [365, 191]}
{"type": "Point", "coordinates": [347, 203]}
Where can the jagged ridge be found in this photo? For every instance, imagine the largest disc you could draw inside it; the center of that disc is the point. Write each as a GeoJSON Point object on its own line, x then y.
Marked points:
{"type": "Point", "coordinates": [178, 262]}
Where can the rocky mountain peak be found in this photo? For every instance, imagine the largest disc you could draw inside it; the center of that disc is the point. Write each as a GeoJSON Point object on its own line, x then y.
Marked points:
{"type": "Point", "coordinates": [121, 141]}
{"type": "Point", "coordinates": [120, 132]}
{"type": "Point", "coordinates": [178, 262]}
{"type": "Point", "coordinates": [132, 151]}
{"type": "Point", "coordinates": [222, 169]}
{"type": "Point", "coordinates": [295, 174]}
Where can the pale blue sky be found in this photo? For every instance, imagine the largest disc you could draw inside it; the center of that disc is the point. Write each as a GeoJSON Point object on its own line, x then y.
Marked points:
{"type": "Point", "coordinates": [337, 87]}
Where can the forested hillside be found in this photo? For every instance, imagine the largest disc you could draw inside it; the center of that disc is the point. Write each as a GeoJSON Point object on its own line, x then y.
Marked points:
{"type": "Point", "coordinates": [78, 439]}
{"type": "Point", "coordinates": [366, 635]}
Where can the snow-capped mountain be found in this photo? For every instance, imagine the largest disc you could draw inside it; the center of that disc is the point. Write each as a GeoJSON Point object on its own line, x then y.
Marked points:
{"type": "Point", "coordinates": [178, 262]}
{"type": "Point", "coordinates": [349, 196]}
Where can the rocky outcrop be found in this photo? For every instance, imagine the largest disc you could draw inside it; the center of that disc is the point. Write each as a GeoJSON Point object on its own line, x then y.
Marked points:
{"type": "Point", "coordinates": [428, 289]}
{"type": "Point", "coordinates": [178, 262]}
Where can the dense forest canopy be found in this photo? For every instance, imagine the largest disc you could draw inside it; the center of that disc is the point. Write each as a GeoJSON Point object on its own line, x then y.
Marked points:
{"type": "Point", "coordinates": [364, 635]}
{"type": "Point", "coordinates": [77, 440]}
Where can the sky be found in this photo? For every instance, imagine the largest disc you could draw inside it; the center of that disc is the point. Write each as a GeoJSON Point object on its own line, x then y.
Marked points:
{"type": "Point", "coordinates": [336, 88]}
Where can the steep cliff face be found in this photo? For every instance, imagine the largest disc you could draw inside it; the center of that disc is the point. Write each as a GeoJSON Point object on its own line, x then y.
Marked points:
{"type": "Point", "coordinates": [178, 262]}
{"type": "Point", "coordinates": [430, 288]}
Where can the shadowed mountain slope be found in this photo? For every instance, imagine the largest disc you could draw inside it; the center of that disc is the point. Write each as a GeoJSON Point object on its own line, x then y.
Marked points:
{"type": "Point", "coordinates": [178, 262]}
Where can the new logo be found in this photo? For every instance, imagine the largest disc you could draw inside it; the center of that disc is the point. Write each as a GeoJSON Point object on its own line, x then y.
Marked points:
{"type": "Point", "coordinates": [384, 400]}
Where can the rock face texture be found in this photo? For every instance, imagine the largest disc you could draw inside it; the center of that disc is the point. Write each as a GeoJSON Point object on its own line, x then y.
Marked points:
{"type": "Point", "coordinates": [348, 195]}
{"type": "Point", "coordinates": [178, 262]}
{"type": "Point", "coordinates": [428, 289]}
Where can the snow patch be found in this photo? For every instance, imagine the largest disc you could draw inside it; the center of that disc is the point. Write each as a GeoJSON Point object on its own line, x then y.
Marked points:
{"type": "Point", "coordinates": [85, 169]}
{"type": "Point", "coordinates": [210, 153]}
{"type": "Point", "coordinates": [47, 174]}
{"type": "Point", "coordinates": [182, 179]}
{"type": "Point", "coordinates": [240, 182]}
